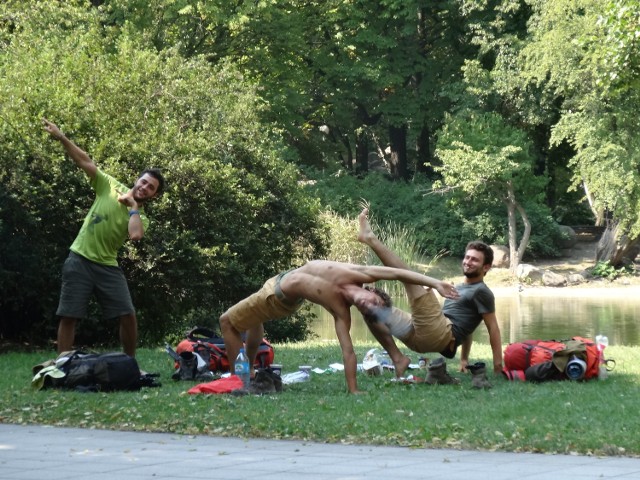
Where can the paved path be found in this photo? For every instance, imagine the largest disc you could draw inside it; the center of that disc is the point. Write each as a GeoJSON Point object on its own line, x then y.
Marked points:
{"type": "Point", "coordinates": [39, 453]}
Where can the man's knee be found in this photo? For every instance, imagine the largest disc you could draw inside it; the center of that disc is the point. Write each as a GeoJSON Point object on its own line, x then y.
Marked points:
{"type": "Point", "coordinates": [68, 322]}
{"type": "Point", "coordinates": [128, 318]}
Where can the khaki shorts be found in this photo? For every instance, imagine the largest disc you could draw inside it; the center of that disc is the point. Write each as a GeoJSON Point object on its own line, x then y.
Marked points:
{"type": "Point", "coordinates": [262, 306]}
{"type": "Point", "coordinates": [431, 328]}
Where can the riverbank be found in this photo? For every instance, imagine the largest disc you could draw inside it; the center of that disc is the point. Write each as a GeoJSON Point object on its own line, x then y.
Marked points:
{"type": "Point", "coordinates": [578, 260]}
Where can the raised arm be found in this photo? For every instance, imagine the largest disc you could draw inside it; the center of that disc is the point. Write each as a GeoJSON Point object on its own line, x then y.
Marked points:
{"type": "Point", "coordinates": [79, 156]}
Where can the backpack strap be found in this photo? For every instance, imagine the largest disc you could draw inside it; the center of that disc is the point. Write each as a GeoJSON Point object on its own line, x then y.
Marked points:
{"type": "Point", "coordinates": [202, 334]}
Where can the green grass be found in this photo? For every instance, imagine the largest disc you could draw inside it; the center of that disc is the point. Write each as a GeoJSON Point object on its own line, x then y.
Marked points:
{"type": "Point", "coordinates": [596, 417]}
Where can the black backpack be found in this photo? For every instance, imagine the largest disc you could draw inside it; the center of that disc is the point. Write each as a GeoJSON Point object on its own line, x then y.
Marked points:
{"type": "Point", "coordinates": [104, 372]}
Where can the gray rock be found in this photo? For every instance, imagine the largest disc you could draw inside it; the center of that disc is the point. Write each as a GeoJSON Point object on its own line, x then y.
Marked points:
{"type": "Point", "coordinates": [552, 279]}
{"type": "Point", "coordinates": [500, 256]}
{"type": "Point", "coordinates": [528, 273]}
{"type": "Point", "coordinates": [576, 279]}
{"type": "Point", "coordinates": [569, 237]}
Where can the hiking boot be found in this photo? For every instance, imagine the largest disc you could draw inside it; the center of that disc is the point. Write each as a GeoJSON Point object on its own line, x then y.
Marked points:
{"type": "Point", "coordinates": [188, 366]}
{"type": "Point", "coordinates": [265, 382]}
{"type": "Point", "coordinates": [437, 374]}
{"type": "Point", "coordinates": [479, 375]}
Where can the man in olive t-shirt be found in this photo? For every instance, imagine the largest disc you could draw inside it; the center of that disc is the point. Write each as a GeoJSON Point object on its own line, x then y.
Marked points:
{"type": "Point", "coordinates": [92, 266]}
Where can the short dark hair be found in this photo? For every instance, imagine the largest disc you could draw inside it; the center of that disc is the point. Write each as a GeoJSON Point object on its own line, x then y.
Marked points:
{"type": "Point", "coordinates": [484, 248]}
{"type": "Point", "coordinates": [157, 174]}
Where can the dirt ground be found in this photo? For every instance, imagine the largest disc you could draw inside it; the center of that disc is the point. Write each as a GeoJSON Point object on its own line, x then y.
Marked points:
{"type": "Point", "coordinates": [578, 259]}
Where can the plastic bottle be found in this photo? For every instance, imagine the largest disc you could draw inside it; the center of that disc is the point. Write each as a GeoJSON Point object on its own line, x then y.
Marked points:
{"type": "Point", "coordinates": [422, 363]}
{"type": "Point", "coordinates": [242, 368]}
{"type": "Point", "coordinates": [602, 342]}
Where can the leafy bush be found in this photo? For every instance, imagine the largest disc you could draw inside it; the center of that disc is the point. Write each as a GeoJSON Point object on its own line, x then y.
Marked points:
{"type": "Point", "coordinates": [609, 272]}
{"type": "Point", "coordinates": [296, 328]}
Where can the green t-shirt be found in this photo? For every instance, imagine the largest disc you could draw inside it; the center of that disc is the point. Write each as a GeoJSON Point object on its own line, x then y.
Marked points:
{"type": "Point", "coordinates": [106, 226]}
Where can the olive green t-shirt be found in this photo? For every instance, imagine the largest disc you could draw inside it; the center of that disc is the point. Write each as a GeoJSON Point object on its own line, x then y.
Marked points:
{"type": "Point", "coordinates": [106, 226]}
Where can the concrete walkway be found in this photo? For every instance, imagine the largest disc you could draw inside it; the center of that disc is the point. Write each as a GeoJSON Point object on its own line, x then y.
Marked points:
{"type": "Point", "coordinates": [38, 453]}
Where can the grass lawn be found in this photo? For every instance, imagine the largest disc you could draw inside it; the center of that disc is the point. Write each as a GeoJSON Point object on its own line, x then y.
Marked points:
{"type": "Point", "coordinates": [595, 417]}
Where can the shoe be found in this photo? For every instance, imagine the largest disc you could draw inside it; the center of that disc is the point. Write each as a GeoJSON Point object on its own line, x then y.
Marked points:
{"type": "Point", "coordinates": [479, 376]}
{"type": "Point", "coordinates": [437, 373]}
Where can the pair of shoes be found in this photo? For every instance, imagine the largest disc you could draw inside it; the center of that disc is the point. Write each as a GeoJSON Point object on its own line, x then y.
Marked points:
{"type": "Point", "coordinates": [437, 373]}
{"type": "Point", "coordinates": [479, 375]}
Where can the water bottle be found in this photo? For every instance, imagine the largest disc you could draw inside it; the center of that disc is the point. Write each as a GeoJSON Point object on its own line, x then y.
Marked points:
{"type": "Point", "coordinates": [422, 363]}
{"type": "Point", "coordinates": [242, 369]}
{"type": "Point", "coordinates": [602, 342]}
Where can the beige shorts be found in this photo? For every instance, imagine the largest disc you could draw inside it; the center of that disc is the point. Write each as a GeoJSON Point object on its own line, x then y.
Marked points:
{"type": "Point", "coordinates": [431, 328]}
{"type": "Point", "coordinates": [266, 304]}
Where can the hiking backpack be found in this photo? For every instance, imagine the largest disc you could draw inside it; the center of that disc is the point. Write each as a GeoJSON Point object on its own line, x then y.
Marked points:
{"type": "Point", "coordinates": [206, 343]}
{"type": "Point", "coordinates": [520, 358]}
{"type": "Point", "coordinates": [93, 372]}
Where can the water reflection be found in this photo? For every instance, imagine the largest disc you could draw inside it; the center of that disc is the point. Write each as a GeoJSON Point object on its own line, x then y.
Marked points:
{"type": "Point", "coordinates": [559, 315]}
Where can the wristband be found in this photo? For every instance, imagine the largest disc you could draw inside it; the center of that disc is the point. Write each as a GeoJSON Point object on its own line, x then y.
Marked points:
{"type": "Point", "coordinates": [133, 212]}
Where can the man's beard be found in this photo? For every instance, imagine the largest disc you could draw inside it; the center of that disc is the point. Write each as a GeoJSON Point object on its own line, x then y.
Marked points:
{"type": "Point", "coordinates": [139, 200]}
{"type": "Point", "coordinates": [472, 274]}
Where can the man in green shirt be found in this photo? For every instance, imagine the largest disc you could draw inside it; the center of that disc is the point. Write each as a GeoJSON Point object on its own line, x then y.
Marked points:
{"type": "Point", "coordinates": [92, 266]}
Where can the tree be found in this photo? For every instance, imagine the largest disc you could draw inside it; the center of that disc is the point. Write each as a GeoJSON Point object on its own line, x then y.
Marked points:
{"type": "Point", "coordinates": [571, 55]}
{"type": "Point", "coordinates": [485, 160]}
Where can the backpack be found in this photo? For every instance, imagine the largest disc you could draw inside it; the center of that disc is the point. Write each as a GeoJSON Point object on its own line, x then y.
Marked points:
{"type": "Point", "coordinates": [104, 372]}
{"type": "Point", "coordinates": [536, 358]}
{"type": "Point", "coordinates": [210, 347]}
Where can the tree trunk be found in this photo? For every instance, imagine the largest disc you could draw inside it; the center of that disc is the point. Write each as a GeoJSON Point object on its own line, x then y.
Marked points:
{"type": "Point", "coordinates": [362, 152]}
{"type": "Point", "coordinates": [398, 140]}
{"type": "Point", "coordinates": [423, 153]}
{"type": "Point", "coordinates": [348, 156]}
{"type": "Point", "coordinates": [616, 248]}
{"type": "Point", "coordinates": [598, 213]}
{"type": "Point", "coordinates": [516, 252]}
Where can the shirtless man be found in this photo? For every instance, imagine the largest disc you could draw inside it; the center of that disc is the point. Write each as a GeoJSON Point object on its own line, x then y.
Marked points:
{"type": "Point", "coordinates": [430, 327]}
{"type": "Point", "coordinates": [333, 285]}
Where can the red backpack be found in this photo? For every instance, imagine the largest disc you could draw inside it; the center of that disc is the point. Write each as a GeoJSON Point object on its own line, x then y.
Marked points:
{"type": "Point", "coordinates": [210, 347]}
{"type": "Point", "coordinates": [519, 356]}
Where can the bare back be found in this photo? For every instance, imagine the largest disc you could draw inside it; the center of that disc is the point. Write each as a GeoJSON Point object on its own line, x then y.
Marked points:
{"type": "Point", "coordinates": [325, 283]}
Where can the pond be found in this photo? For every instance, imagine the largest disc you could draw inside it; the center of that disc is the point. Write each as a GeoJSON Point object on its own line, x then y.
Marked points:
{"type": "Point", "coordinates": [538, 314]}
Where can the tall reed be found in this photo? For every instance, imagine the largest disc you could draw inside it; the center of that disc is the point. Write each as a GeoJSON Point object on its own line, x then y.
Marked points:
{"type": "Point", "coordinates": [400, 239]}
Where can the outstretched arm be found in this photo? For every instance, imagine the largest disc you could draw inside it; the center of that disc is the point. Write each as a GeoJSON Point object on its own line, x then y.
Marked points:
{"type": "Point", "coordinates": [376, 273]}
{"type": "Point", "coordinates": [78, 155]}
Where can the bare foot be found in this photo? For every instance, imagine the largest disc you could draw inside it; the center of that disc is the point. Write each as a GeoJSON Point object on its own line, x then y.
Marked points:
{"type": "Point", "coordinates": [365, 235]}
{"type": "Point", "coordinates": [402, 366]}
